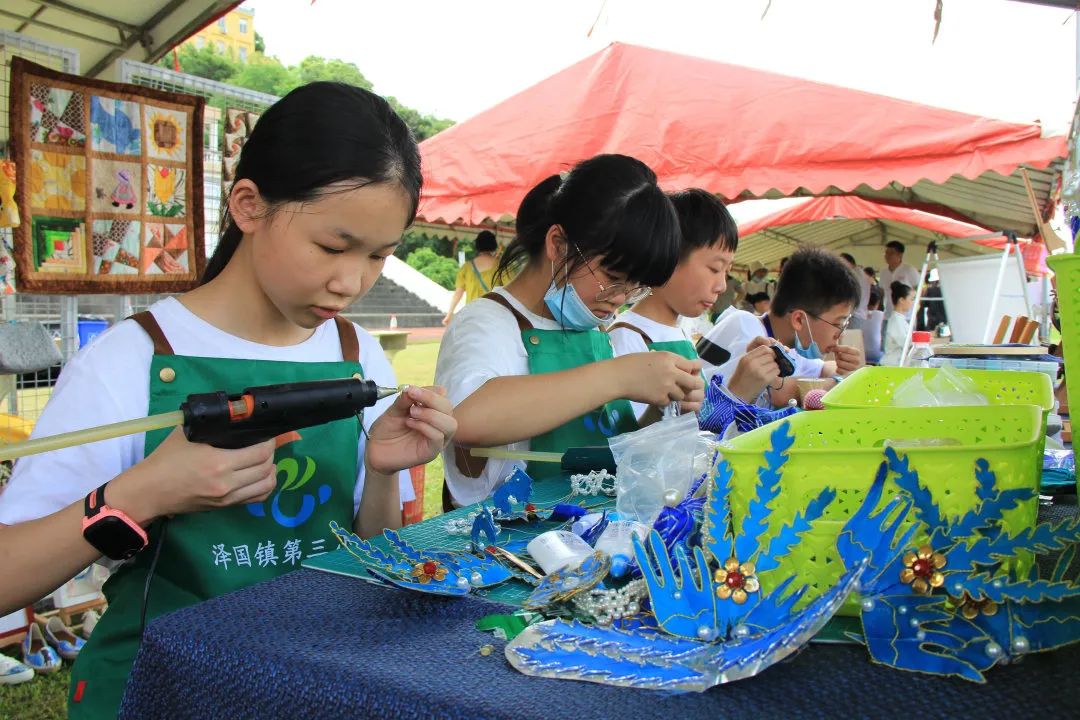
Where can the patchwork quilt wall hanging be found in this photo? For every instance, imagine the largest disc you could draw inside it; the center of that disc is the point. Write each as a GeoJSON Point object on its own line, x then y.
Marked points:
{"type": "Point", "coordinates": [238, 126]}
{"type": "Point", "coordinates": [109, 184]}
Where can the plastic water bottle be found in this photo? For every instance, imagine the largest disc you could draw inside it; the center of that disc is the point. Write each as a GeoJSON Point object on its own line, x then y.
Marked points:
{"type": "Point", "coordinates": [921, 352]}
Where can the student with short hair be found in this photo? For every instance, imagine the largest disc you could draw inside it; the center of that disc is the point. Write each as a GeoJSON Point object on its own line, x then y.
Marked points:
{"type": "Point", "coordinates": [815, 298]}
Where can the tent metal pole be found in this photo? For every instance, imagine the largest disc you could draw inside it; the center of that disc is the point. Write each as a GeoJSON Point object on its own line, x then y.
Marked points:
{"type": "Point", "coordinates": [997, 289]}
{"type": "Point", "coordinates": [931, 253]}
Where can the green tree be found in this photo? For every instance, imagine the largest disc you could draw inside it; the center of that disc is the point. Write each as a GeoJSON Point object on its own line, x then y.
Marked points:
{"type": "Point", "coordinates": [442, 270]}
{"type": "Point", "coordinates": [260, 44]}
{"type": "Point", "coordinates": [314, 68]}
{"type": "Point", "coordinates": [268, 75]}
{"type": "Point", "coordinates": [206, 62]}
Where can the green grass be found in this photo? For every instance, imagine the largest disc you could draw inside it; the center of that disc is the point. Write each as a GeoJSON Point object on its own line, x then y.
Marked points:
{"type": "Point", "coordinates": [45, 697]}
{"type": "Point", "coordinates": [415, 365]}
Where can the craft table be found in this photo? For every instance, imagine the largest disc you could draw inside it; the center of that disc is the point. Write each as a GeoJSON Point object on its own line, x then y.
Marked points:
{"type": "Point", "coordinates": [316, 645]}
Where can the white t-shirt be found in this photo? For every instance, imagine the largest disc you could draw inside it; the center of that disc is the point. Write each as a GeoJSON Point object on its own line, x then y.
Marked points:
{"type": "Point", "coordinates": [482, 342]}
{"type": "Point", "coordinates": [734, 330]}
{"type": "Point", "coordinates": [108, 381]}
{"type": "Point", "coordinates": [624, 341]}
{"type": "Point", "coordinates": [864, 294]}
{"type": "Point", "coordinates": [896, 332]}
{"type": "Point", "coordinates": [903, 273]}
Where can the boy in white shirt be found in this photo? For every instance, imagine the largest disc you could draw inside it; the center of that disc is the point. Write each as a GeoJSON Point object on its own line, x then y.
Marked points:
{"type": "Point", "coordinates": [659, 322]}
{"type": "Point", "coordinates": [815, 298]}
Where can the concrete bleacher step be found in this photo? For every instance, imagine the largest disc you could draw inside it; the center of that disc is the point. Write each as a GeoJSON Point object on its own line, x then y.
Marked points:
{"type": "Point", "coordinates": [381, 321]}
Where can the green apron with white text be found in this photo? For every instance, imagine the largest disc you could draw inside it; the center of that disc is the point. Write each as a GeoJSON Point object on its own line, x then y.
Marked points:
{"type": "Point", "coordinates": [206, 554]}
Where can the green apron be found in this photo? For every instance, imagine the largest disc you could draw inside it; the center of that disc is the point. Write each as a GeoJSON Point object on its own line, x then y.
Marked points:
{"type": "Point", "coordinates": [555, 350]}
{"type": "Point", "coordinates": [685, 348]}
{"type": "Point", "coordinates": [207, 554]}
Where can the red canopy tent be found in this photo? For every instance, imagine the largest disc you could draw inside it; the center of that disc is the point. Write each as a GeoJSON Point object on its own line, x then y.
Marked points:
{"type": "Point", "coordinates": [847, 223]}
{"type": "Point", "coordinates": [740, 133]}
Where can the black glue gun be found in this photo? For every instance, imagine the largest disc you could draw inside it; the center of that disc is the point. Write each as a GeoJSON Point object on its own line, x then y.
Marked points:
{"type": "Point", "coordinates": [261, 413]}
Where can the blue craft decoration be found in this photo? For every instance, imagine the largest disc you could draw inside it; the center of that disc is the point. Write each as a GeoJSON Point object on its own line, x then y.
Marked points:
{"type": "Point", "coordinates": [460, 571]}
{"type": "Point", "coordinates": [979, 612]}
{"type": "Point", "coordinates": [690, 599]}
{"type": "Point", "coordinates": [484, 524]}
{"type": "Point", "coordinates": [683, 605]}
{"type": "Point", "coordinates": [517, 486]}
{"type": "Point", "coordinates": [720, 409]}
{"type": "Point", "coordinates": [563, 584]}
{"type": "Point", "coordinates": [643, 658]}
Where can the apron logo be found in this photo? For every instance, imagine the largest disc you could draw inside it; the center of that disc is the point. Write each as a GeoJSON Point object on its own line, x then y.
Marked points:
{"type": "Point", "coordinates": [294, 481]}
{"type": "Point", "coordinates": [604, 422]}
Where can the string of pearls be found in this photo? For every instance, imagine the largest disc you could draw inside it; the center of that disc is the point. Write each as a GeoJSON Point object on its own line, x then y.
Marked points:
{"type": "Point", "coordinates": [597, 482]}
{"type": "Point", "coordinates": [604, 606]}
{"type": "Point", "coordinates": [463, 525]}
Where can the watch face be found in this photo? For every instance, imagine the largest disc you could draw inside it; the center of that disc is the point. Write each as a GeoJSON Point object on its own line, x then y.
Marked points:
{"type": "Point", "coordinates": [113, 537]}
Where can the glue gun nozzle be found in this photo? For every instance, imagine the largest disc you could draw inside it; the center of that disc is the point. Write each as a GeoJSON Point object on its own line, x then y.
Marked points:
{"type": "Point", "coordinates": [385, 392]}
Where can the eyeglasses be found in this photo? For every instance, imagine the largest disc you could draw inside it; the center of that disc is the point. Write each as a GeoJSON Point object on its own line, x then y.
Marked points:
{"type": "Point", "coordinates": [841, 327]}
{"type": "Point", "coordinates": [631, 292]}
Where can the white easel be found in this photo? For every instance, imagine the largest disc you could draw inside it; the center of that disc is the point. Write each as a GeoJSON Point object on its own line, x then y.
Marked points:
{"type": "Point", "coordinates": [1012, 249]}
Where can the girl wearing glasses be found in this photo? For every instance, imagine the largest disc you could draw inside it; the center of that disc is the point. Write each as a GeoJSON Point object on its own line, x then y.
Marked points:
{"type": "Point", "coordinates": [527, 365]}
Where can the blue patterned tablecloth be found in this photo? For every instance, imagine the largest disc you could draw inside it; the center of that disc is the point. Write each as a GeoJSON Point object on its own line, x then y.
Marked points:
{"type": "Point", "coordinates": [315, 645]}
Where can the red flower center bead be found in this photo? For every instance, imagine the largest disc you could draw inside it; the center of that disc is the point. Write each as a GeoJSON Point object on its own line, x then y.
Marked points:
{"type": "Point", "coordinates": [430, 568]}
{"type": "Point", "coordinates": [922, 568]}
{"type": "Point", "coordinates": [735, 579]}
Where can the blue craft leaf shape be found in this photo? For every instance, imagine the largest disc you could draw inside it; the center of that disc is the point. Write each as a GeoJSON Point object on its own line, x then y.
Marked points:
{"type": "Point", "coordinates": [877, 536]}
{"type": "Point", "coordinates": [756, 521]}
{"type": "Point", "coordinates": [447, 586]}
{"type": "Point", "coordinates": [893, 640]}
{"type": "Point", "coordinates": [366, 553]}
{"type": "Point", "coordinates": [926, 510]}
{"type": "Point", "coordinates": [789, 535]}
{"type": "Point", "coordinates": [716, 532]}
{"type": "Point", "coordinates": [681, 604]}
{"type": "Point", "coordinates": [563, 584]}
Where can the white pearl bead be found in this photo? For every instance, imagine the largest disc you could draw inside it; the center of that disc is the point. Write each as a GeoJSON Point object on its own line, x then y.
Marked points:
{"type": "Point", "coordinates": [998, 584]}
{"type": "Point", "coordinates": [867, 604]}
{"type": "Point", "coordinates": [704, 632]}
{"type": "Point", "coordinates": [958, 587]}
{"type": "Point", "coordinates": [632, 608]}
{"type": "Point", "coordinates": [921, 635]}
{"type": "Point", "coordinates": [678, 595]}
{"type": "Point", "coordinates": [993, 650]}
{"type": "Point", "coordinates": [902, 609]}
{"type": "Point", "coordinates": [1020, 644]}
{"type": "Point", "coordinates": [476, 578]}
{"type": "Point", "coordinates": [462, 582]}
{"type": "Point", "coordinates": [741, 631]}
{"type": "Point", "coordinates": [914, 622]}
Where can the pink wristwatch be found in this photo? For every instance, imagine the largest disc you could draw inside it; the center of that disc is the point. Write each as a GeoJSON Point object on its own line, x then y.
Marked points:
{"type": "Point", "coordinates": [117, 536]}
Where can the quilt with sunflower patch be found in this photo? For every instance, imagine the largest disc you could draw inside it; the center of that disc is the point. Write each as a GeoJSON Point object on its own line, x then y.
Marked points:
{"type": "Point", "coordinates": [109, 184]}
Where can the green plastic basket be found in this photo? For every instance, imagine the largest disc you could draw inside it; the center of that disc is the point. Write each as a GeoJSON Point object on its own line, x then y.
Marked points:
{"type": "Point", "coordinates": [1067, 271]}
{"type": "Point", "coordinates": [843, 450]}
{"type": "Point", "coordinates": [871, 387]}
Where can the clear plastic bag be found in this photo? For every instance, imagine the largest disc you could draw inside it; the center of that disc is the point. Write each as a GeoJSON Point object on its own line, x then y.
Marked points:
{"type": "Point", "coordinates": [952, 387]}
{"type": "Point", "coordinates": [945, 387]}
{"type": "Point", "coordinates": [655, 462]}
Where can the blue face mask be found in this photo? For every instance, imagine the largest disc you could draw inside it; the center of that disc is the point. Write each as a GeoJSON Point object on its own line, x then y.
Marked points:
{"type": "Point", "coordinates": [811, 351]}
{"type": "Point", "coordinates": [568, 309]}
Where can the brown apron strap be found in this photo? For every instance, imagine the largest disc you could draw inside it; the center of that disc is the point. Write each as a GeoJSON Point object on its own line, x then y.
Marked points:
{"type": "Point", "coordinates": [150, 325]}
{"type": "Point", "coordinates": [522, 321]}
{"type": "Point", "coordinates": [350, 345]}
{"type": "Point", "coordinates": [628, 326]}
